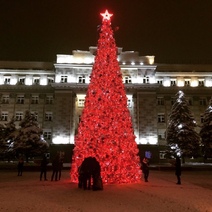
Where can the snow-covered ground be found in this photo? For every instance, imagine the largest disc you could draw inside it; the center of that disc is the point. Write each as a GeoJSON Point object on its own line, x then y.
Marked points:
{"type": "Point", "coordinates": [160, 194]}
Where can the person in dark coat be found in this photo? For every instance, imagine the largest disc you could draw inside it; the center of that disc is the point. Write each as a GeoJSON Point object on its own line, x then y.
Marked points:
{"type": "Point", "coordinates": [20, 166]}
{"type": "Point", "coordinates": [55, 167]}
{"type": "Point", "coordinates": [178, 170]}
{"type": "Point", "coordinates": [60, 167]}
{"type": "Point", "coordinates": [145, 168]}
{"type": "Point", "coordinates": [43, 168]}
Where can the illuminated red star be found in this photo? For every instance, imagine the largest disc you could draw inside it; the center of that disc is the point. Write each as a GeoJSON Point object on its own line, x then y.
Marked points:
{"type": "Point", "coordinates": [106, 15]}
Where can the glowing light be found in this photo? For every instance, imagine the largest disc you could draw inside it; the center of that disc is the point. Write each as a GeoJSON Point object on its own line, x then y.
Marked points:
{"type": "Point", "coordinates": [106, 15]}
{"type": "Point", "coordinates": [180, 82]}
{"type": "Point", "coordinates": [105, 130]}
{"type": "Point", "coordinates": [61, 140]}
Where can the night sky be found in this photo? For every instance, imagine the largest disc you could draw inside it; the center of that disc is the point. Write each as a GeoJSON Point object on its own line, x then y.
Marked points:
{"type": "Point", "coordinates": [175, 31]}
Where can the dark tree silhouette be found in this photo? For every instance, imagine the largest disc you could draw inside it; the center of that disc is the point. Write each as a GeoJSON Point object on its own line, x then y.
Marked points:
{"type": "Point", "coordinates": [206, 131]}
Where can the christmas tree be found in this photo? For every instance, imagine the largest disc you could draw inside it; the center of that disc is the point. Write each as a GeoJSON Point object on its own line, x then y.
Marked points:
{"type": "Point", "coordinates": [182, 139]}
{"type": "Point", "coordinates": [105, 130]}
{"type": "Point", "coordinates": [206, 131]}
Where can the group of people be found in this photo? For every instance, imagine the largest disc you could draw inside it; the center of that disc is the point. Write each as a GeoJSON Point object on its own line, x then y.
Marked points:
{"type": "Point", "coordinates": [89, 174]}
{"type": "Point", "coordinates": [177, 164]}
{"type": "Point", "coordinates": [57, 165]}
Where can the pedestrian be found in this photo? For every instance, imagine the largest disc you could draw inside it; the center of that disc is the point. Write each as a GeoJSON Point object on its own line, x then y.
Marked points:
{"type": "Point", "coordinates": [55, 167]}
{"type": "Point", "coordinates": [145, 168]}
{"type": "Point", "coordinates": [43, 168]}
{"type": "Point", "coordinates": [20, 166]}
{"type": "Point", "coordinates": [60, 166]}
{"type": "Point", "coordinates": [178, 169]}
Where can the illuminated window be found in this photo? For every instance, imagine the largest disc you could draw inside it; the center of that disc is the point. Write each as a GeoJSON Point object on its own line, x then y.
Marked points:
{"type": "Point", "coordinates": [81, 102]}
{"type": "Point", "coordinates": [161, 118]}
{"type": "Point", "coordinates": [7, 80]}
{"type": "Point", "coordinates": [20, 99]}
{"type": "Point", "coordinates": [48, 116]}
{"type": "Point", "coordinates": [81, 79]}
{"type": "Point", "coordinates": [160, 101]}
{"type": "Point", "coordinates": [129, 102]}
{"type": "Point", "coordinates": [4, 116]}
{"type": "Point", "coordinates": [146, 79]}
{"type": "Point", "coordinates": [19, 116]}
{"type": "Point", "coordinates": [64, 79]}
{"type": "Point", "coordinates": [160, 81]}
{"type": "Point", "coordinates": [5, 99]}
{"type": "Point", "coordinates": [49, 100]}
{"type": "Point", "coordinates": [35, 99]}
{"type": "Point", "coordinates": [127, 79]}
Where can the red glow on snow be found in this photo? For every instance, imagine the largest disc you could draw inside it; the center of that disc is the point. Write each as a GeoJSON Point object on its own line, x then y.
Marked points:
{"type": "Point", "coordinates": [105, 130]}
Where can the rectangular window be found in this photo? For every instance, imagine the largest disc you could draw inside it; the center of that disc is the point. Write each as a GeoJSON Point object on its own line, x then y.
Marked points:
{"type": "Point", "coordinates": [19, 116]}
{"type": "Point", "coordinates": [64, 79]}
{"type": "Point", "coordinates": [20, 99]}
{"type": "Point", "coordinates": [160, 81]}
{"type": "Point", "coordinates": [161, 134]}
{"type": "Point", "coordinates": [22, 81]}
{"type": "Point", "coordinates": [47, 134]}
{"type": "Point", "coordinates": [162, 155]}
{"type": "Point", "coordinates": [146, 80]}
{"type": "Point", "coordinates": [7, 80]}
{"type": "Point", "coordinates": [201, 83]}
{"type": "Point", "coordinates": [36, 81]}
{"type": "Point", "coordinates": [49, 100]}
{"type": "Point", "coordinates": [4, 116]}
{"type": "Point", "coordinates": [127, 79]}
{"type": "Point", "coordinates": [202, 102]}
{"type": "Point", "coordinates": [35, 100]}
{"type": "Point", "coordinates": [81, 102]}
{"type": "Point", "coordinates": [48, 116]}
{"type": "Point", "coordinates": [129, 102]}
{"type": "Point", "coordinates": [187, 82]}
{"type": "Point", "coordinates": [160, 101]}
{"type": "Point", "coordinates": [173, 82]}
{"type": "Point", "coordinates": [50, 80]}
{"type": "Point", "coordinates": [161, 118]}
{"type": "Point", "coordinates": [201, 118]}
{"type": "Point", "coordinates": [5, 99]}
{"type": "Point", "coordinates": [81, 79]}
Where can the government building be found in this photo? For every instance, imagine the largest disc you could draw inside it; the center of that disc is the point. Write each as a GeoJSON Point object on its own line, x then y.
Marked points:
{"type": "Point", "coordinates": [55, 92]}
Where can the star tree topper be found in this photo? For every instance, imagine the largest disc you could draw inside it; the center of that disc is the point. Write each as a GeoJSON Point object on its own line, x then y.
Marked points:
{"type": "Point", "coordinates": [106, 15]}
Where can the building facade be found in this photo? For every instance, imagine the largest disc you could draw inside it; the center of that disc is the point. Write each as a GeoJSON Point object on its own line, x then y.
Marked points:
{"type": "Point", "coordinates": [55, 92]}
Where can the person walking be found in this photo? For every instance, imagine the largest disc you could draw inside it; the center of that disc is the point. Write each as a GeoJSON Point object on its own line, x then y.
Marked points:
{"type": "Point", "coordinates": [20, 166]}
{"type": "Point", "coordinates": [60, 166]}
{"type": "Point", "coordinates": [178, 170]}
{"type": "Point", "coordinates": [145, 168]}
{"type": "Point", "coordinates": [43, 168]}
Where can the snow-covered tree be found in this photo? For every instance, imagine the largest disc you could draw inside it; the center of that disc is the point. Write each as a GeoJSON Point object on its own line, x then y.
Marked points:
{"type": "Point", "coordinates": [206, 131]}
{"type": "Point", "coordinates": [7, 135]}
{"type": "Point", "coordinates": [29, 140]}
{"type": "Point", "coordinates": [182, 139]}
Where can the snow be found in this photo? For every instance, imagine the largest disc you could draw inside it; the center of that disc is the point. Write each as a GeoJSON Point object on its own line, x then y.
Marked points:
{"type": "Point", "coordinates": [160, 194]}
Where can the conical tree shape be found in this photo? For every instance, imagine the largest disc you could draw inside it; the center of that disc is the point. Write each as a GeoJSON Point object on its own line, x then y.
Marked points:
{"type": "Point", "coordinates": [182, 139]}
{"type": "Point", "coordinates": [105, 130]}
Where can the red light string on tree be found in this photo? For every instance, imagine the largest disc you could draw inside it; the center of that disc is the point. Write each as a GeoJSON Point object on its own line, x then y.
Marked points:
{"type": "Point", "coordinates": [105, 130]}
